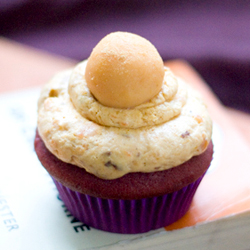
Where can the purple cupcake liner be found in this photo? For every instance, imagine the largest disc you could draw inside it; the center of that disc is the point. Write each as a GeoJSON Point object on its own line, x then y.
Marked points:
{"type": "Point", "coordinates": [128, 216]}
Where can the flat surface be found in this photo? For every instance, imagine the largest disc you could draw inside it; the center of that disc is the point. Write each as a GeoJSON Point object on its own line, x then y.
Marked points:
{"type": "Point", "coordinates": [23, 67]}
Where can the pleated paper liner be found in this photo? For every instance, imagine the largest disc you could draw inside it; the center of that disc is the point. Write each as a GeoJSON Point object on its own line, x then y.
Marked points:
{"type": "Point", "coordinates": [128, 216]}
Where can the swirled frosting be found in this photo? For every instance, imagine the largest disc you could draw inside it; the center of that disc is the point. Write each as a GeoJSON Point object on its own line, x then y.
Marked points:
{"type": "Point", "coordinates": [164, 106]}
{"type": "Point", "coordinates": [110, 142]}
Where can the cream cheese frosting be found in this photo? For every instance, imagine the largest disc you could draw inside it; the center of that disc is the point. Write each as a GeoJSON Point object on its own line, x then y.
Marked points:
{"type": "Point", "coordinates": [109, 142]}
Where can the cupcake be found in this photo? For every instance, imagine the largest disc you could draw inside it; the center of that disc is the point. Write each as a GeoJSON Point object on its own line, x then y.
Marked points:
{"type": "Point", "coordinates": [125, 141]}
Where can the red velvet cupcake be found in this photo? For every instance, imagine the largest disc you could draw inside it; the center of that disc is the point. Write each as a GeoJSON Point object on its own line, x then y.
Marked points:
{"type": "Point", "coordinates": [134, 203]}
{"type": "Point", "coordinates": [124, 159]}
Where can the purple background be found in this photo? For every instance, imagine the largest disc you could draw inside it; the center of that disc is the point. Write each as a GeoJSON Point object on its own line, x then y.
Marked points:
{"type": "Point", "coordinates": [214, 36]}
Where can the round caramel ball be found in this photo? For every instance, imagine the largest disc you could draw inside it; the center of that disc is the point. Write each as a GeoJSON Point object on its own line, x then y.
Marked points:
{"type": "Point", "coordinates": [124, 70]}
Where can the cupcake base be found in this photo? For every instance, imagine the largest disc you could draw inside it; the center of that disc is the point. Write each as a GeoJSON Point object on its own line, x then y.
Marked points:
{"type": "Point", "coordinates": [128, 216]}
{"type": "Point", "coordinates": [134, 203]}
